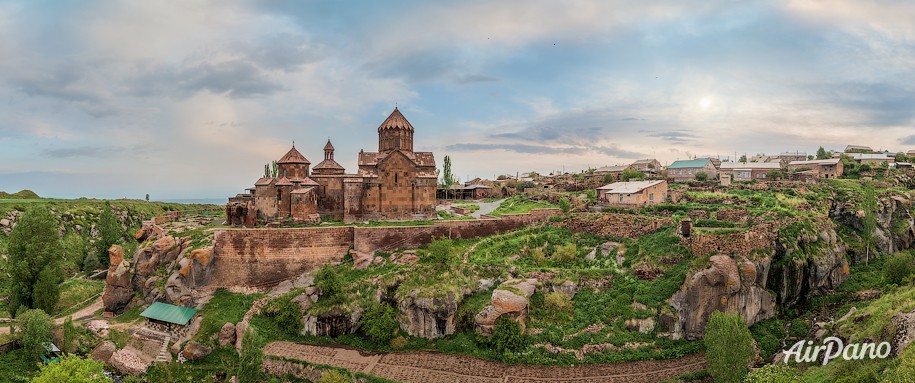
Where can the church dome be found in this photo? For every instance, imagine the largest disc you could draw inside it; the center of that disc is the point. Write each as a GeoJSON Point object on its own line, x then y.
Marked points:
{"type": "Point", "coordinates": [395, 121]}
{"type": "Point", "coordinates": [293, 157]}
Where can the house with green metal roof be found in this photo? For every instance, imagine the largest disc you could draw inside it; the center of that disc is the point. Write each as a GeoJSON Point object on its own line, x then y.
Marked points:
{"type": "Point", "coordinates": [169, 315]}
{"type": "Point", "coordinates": [686, 170]}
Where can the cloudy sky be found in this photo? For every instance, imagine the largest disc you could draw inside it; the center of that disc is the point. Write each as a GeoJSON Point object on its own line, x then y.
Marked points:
{"type": "Point", "coordinates": [188, 99]}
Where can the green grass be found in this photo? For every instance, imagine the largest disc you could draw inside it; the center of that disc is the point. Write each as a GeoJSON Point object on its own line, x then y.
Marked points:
{"type": "Point", "coordinates": [128, 315]}
{"type": "Point", "coordinates": [223, 307]}
{"type": "Point", "coordinates": [518, 205]}
{"type": "Point", "coordinates": [76, 294]}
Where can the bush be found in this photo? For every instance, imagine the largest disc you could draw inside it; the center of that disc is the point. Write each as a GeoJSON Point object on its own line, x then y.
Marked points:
{"type": "Point", "coordinates": [399, 342]}
{"type": "Point", "coordinates": [565, 205]}
{"type": "Point", "coordinates": [333, 376]}
{"type": "Point", "coordinates": [441, 252]}
{"type": "Point", "coordinates": [701, 176]}
{"type": "Point", "coordinates": [91, 263]}
{"type": "Point", "coordinates": [898, 267]}
{"type": "Point", "coordinates": [774, 373]}
{"type": "Point", "coordinates": [729, 347]}
{"type": "Point", "coordinates": [328, 281]}
{"type": "Point", "coordinates": [289, 315]}
{"type": "Point", "coordinates": [73, 369]}
{"type": "Point", "coordinates": [507, 335]}
{"type": "Point", "coordinates": [378, 323]}
{"type": "Point", "coordinates": [558, 306]}
{"type": "Point", "coordinates": [566, 252]}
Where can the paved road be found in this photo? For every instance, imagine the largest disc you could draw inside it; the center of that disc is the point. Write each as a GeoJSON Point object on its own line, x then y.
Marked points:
{"type": "Point", "coordinates": [487, 207]}
{"type": "Point", "coordinates": [433, 367]}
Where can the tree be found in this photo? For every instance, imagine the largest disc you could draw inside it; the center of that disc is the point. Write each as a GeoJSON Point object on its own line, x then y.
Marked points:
{"type": "Point", "coordinates": [898, 267]}
{"type": "Point", "coordinates": [91, 263]}
{"type": "Point", "coordinates": [869, 223]}
{"type": "Point", "coordinates": [743, 158]}
{"type": "Point", "coordinates": [35, 261]}
{"type": "Point", "coordinates": [822, 154]}
{"type": "Point", "coordinates": [73, 369]}
{"type": "Point", "coordinates": [147, 197]}
{"type": "Point", "coordinates": [630, 174]}
{"type": "Point", "coordinates": [701, 176]}
{"type": "Point", "coordinates": [69, 335]}
{"type": "Point", "coordinates": [728, 347]}
{"type": "Point", "coordinates": [33, 330]}
{"type": "Point", "coordinates": [109, 233]}
{"type": "Point", "coordinates": [447, 176]}
{"type": "Point", "coordinates": [774, 174]}
{"type": "Point", "coordinates": [810, 157]}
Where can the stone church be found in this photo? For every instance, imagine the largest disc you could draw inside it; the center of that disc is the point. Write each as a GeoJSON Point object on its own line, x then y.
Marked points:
{"type": "Point", "coordinates": [394, 183]}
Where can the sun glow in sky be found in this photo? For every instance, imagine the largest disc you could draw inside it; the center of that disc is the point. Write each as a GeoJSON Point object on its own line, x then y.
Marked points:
{"type": "Point", "coordinates": [190, 99]}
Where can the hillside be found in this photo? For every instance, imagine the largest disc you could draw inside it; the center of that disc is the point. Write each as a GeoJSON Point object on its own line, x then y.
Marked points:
{"type": "Point", "coordinates": [22, 194]}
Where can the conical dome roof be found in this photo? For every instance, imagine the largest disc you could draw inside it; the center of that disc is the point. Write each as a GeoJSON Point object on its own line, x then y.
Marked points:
{"type": "Point", "coordinates": [293, 157]}
{"type": "Point", "coordinates": [328, 146]}
{"type": "Point", "coordinates": [396, 121]}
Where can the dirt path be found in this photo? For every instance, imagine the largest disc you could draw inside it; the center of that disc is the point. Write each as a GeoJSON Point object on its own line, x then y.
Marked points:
{"type": "Point", "coordinates": [84, 312]}
{"type": "Point", "coordinates": [486, 208]}
{"type": "Point", "coordinates": [433, 367]}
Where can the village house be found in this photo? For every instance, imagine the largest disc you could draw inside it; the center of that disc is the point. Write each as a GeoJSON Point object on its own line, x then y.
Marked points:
{"type": "Point", "coordinates": [787, 157]}
{"type": "Point", "coordinates": [910, 153]}
{"type": "Point", "coordinates": [393, 183]}
{"type": "Point", "coordinates": [686, 170]}
{"type": "Point", "coordinates": [829, 168]}
{"type": "Point", "coordinates": [613, 171]}
{"type": "Point", "coordinates": [647, 166]}
{"type": "Point", "coordinates": [873, 160]}
{"type": "Point", "coordinates": [633, 193]}
{"type": "Point", "coordinates": [748, 171]}
{"type": "Point", "coordinates": [469, 190]}
{"type": "Point", "coordinates": [858, 149]}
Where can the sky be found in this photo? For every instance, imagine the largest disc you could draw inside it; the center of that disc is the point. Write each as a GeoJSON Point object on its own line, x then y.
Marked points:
{"type": "Point", "coordinates": [189, 99]}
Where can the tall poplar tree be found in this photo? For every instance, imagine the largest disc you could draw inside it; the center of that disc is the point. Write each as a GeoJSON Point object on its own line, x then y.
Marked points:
{"type": "Point", "coordinates": [35, 261]}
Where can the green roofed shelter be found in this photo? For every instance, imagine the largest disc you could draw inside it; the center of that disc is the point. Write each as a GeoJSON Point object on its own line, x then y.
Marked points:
{"type": "Point", "coordinates": [697, 163]}
{"type": "Point", "coordinates": [169, 314]}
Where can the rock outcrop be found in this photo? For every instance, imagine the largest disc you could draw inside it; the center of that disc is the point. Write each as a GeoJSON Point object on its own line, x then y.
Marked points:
{"type": "Point", "coordinates": [511, 298]}
{"type": "Point", "coordinates": [227, 334]}
{"type": "Point", "coordinates": [126, 361]}
{"type": "Point", "coordinates": [103, 351]}
{"type": "Point", "coordinates": [118, 289]}
{"type": "Point", "coordinates": [428, 316]}
{"type": "Point", "coordinates": [724, 286]}
{"type": "Point", "coordinates": [902, 331]}
{"type": "Point", "coordinates": [195, 350]}
{"type": "Point", "coordinates": [332, 323]}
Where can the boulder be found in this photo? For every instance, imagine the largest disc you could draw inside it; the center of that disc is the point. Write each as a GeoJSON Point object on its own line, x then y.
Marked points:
{"type": "Point", "coordinates": [126, 361]}
{"type": "Point", "coordinates": [115, 255]}
{"type": "Point", "coordinates": [227, 334]}
{"type": "Point", "coordinates": [103, 351]}
{"type": "Point", "coordinates": [240, 329]}
{"type": "Point", "coordinates": [567, 288]}
{"type": "Point", "coordinates": [902, 331]}
{"type": "Point", "coordinates": [5, 222]}
{"type": "Point", "coordinates": [510, 298]}
{"type": "Point", "coordinates": [332, 323]}
{"type": "Point", "coordinates": [195, 350]}
{"type": "Point", "coordinates": [641, 325]}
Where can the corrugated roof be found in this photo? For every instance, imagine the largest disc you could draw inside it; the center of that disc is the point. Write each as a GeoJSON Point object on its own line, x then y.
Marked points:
{"type": "Point", "coordinates": [629, 187]}
{"type": "Point", "coordinates": [750, 165]}
{"type": "Point", "coordinates": [867, 156]}
{"type": "Point", "coordinates": [169, 313]}
{"type": "Point", "coordinates": [395, 121]}
{"type": "Point", "coordinates": [683, 164]}
{"type": "Point", "coordinates": [832, 161]}
{"type": "Point", "coordinates": [293, 157]}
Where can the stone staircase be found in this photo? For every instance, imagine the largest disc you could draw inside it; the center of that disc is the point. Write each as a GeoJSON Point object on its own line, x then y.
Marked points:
{"type": "Point", "coordinates": [163, 352]}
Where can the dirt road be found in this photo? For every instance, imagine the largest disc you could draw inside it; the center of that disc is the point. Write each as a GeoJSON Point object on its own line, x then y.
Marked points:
{"type": "Point", "coordinates": [433, 367]}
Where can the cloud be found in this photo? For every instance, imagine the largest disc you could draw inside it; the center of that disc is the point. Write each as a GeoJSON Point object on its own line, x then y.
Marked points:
{"type": "Point", "coordinates": [674, 136]}
{"type": "Point", "coordinates": [474, 78]}
{"type": "Point", "coordinates": [910, 140]}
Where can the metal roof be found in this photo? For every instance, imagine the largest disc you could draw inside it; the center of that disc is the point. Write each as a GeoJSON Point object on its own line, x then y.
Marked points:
{"type": "Point", "coordinates": [684, 164]}
{"type": "Point", "coordinates": [750, 165]}
{"type": "Point", "coordinates": [169, 313]}
{"type": "Point", "coordinates": [832, 161]}
{"type": "Point", "coordinates": [629, 187]}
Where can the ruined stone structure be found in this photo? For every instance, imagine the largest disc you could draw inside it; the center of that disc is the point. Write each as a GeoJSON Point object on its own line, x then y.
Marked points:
{"type": "Point", "coordinates": [393, 183]}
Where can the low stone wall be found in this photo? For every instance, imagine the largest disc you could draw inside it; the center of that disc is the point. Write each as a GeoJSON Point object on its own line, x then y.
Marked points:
{"type": "Point", "coordinates": [262, 257]}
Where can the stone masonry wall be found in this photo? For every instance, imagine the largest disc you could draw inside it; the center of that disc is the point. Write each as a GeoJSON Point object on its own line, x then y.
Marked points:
{"type": "Point", "coordinates": [262, 257]}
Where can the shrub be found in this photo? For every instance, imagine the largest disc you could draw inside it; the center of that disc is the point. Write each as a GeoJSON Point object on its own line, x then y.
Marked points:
{"type": "Point", "coordinates": [774, 373]}
{"type": "Point", "coordinates": [558, 306]}
{"type": "Point", "coordinates": [538, 255]}
{"type": "Point", "coordinates": [328, 281]}
{"type": "Point", "coordinates": [378, 323]}
{"type": "Point", "coordinates": [91, 263]}
{"type": "Point", "coordinates": [566, 252]}
{"type": "Point", "coordinates": [898, 267]}
{"type": "Point", "coordinates": [441, 253]}
{"type": "Point", "coordinates": [399, 342]}
{"type": "Point", "coordinates": [729, 347]}
{"type": "Point", "coordinates": [289, 315]}
{"type": "Point", "coordinates": [701, 176]}
{"type": "Point", "coordinates": [74, 369]}
{"type": "Point", "coordinates": [507, 335]}
{"type": "Point", "coordinates": [333, 376]}
{"type": "Point", "coordinates": [565, 205]}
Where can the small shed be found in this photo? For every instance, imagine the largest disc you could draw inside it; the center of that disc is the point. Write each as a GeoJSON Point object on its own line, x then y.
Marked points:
{"type": "Point", "coordinates": [168, 315]}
